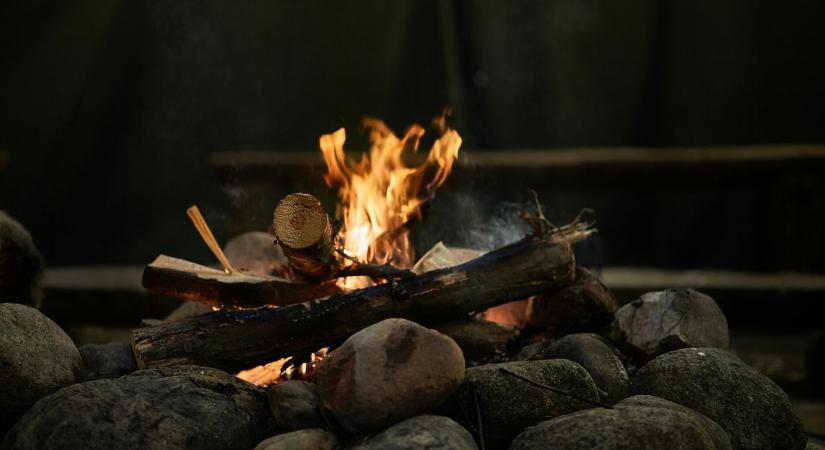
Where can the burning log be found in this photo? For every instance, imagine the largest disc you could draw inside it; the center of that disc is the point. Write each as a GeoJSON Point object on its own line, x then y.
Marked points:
{"type": "Point", "coordinates": [189, 281]}
{"type": "Point", "coordinates": [304, 232]}
{"type": "Point", "coordinates": [235, 340]}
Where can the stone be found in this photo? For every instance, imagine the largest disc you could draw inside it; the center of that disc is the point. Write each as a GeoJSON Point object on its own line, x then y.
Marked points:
{"type": "Point", "coordinates": [309, 439]}
{"type": "Point", "coordinates": [21, 264]}
{"type": "Point", "coordinates": [598, 357]}
{"type": "Point", "coordinates": [36, 359]}
{"type": "Point", "coordinates": [586, 305]}
{"type": "Point", "coordinates": [508, 404]}
{"type": "Point", "coordinates": [110, 360]}
{"type": "Point", "coordinates": [753, 410]}
{"type": "Point", "coordinates": [422, 432]}
{"type": "Point", "coordinates": [662, 321]}
{"type": "Point", "coordinates": [388, 372]}
{"type": "Point", "coordinates": [168, 407]}
{"type": "Point", "coordinates": [295, 405]}
{"type": "Point", "coordinates": [620, 428]}
{"type": "Point", "coordinates": [720, 438]}
{"type": "Point", "coordinates": [187, 310]}
{"type": "Point", "coordinates": [256, 252]}
{"type": "Point", "coordinates": [479, 339]}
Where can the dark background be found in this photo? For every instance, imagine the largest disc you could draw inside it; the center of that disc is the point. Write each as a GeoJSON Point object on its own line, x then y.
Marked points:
{"type": "Point", "coordinates": [109, 108]}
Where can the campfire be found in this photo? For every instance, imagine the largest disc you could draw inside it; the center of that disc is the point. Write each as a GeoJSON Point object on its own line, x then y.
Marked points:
{"type": "Point", "coordinates": [351, 270]}
{"type": "Point", "coordinates": [359, 344]}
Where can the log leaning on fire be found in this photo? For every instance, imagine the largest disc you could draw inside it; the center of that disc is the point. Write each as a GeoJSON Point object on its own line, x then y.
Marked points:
{"type": "Point", "coordinates": [304, 232]}
{"type": "Point", "coordinates": [235, 340]}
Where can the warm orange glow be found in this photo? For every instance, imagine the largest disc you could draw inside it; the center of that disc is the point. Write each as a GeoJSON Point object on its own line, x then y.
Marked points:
{"type": "Point", "coordinates": [381, 193]}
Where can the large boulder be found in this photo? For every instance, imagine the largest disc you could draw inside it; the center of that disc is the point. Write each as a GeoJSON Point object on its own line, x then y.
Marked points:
{"type": "Point", "coordinates": [110, 360]}
{"type": "Point", "coordinates": [36, 359]}
{"type": "Point", "coordinates": [388, 372]}
{"type": "Point", "coordinates": [21, 264]}
{"type": "Point", "coordinates": [597, 356]}
{"type": "Point", "coordinates": [422, 432]}
{"type": "Point", "coordinates": [662, 321]}
{"type": "Point", "coordinates": [508, 404]}
{"type": "Point", "coordinates": [753, 410]}
{"type": "Point", "coordinates": [585, 305]}
{"type": "Point", "coordinates": [295, 405]}
{"type": "Point", "coordinates": [309, 439]}
{"type": "Point", "coordinates": [164, 408]}
{"type": "Point", "coordinates": [620, 428]}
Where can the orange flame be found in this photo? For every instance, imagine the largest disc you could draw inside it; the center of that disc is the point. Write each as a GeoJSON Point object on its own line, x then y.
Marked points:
{"type": "Point", "coordinates": [380, 194]}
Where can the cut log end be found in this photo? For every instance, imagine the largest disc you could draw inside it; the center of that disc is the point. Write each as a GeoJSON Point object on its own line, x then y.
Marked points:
{"type": "Point", "coordinates": [301, 222]}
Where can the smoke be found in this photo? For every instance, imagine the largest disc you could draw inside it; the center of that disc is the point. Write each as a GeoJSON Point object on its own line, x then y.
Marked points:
{"type": "Point", "coordinates": [500, 227]}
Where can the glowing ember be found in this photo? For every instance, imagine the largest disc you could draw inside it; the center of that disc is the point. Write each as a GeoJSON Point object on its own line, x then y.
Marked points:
{"type": "Point", "coordinates": [380, 193]}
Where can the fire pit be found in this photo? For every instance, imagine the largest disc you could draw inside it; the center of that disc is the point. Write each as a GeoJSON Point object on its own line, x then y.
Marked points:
{"type": "Point", "coordinates": [327, 332]}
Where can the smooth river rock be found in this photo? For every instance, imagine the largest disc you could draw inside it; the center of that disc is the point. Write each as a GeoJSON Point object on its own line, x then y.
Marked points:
{"type": "Point", "coordinates": [422, 432]}
{"type": "Point", "coordinates": [388, 372]}
{"type": "Point", "coordinates": [36, 359]}
{"type": "Point", "coordinates": [750, 407]}
{"type": "Point", "coordinates": [21, 264]}
{"type": "Point", "coordinates": [165, 408]}
{"type": "Point", "coordinates": [662, 321]}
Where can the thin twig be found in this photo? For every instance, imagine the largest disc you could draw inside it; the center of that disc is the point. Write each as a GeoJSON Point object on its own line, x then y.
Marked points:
{"type": "Point", "coordinates": [554, 389]}
{"type": "Point", "coordinates": [479, 424]}
{"type": "Point", "coordinates": [206, 234]}
{"type": "Point", "coordinates": [382, 271]}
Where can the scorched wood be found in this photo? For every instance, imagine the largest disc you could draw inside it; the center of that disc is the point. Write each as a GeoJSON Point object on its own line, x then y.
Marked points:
{"type": "Point", "coordinates": [235, 340]}
{"type": "Point", "coordinates": [189, 281]}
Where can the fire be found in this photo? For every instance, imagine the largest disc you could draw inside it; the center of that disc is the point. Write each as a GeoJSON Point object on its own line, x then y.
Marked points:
{"type": "Point", "coordinates": [380, 194]}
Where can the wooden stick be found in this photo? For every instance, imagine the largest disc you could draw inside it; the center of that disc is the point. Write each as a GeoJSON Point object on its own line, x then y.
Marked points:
{"type": "Point", "coordinates": [236, 340]}
{"type": "Point", "coordinates": [206, 234]}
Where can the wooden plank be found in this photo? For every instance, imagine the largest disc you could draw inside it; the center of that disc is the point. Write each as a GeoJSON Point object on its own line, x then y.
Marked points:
{"type": "Point", "coordinates": [547, 158]}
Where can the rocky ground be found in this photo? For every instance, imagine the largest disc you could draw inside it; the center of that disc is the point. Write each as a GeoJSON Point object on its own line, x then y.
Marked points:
{"type": "Point", "coordinates": [654, 373]}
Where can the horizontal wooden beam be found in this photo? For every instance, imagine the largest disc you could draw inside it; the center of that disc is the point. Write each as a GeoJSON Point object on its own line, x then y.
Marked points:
{"type": "Point", "coordinates": [561, 157]}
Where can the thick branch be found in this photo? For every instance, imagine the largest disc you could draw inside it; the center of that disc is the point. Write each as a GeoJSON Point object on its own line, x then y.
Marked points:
{"type": "Point", "coordinates": [234, 340]}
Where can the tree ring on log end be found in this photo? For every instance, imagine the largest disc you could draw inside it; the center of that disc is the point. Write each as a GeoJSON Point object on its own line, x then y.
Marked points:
{"type": "Point", "coordinates": [300, 221]}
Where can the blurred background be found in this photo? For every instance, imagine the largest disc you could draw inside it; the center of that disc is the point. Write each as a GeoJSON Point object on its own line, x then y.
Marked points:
{"type": "Point", "coordinates": [694, 129]}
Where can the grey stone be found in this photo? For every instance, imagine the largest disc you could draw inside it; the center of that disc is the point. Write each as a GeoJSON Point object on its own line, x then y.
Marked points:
{"type": "Point", "coordinates": [753, 410]}
{"type": "Point", "coordinates": [36, 359]}
{"type": "Point", "coordinates": [422, 432]}
{"type": "Point", "coordinates": [256, 252]}
{"type": "Point", "coordinates": [110, 360]}
{"type": "Point", "coordinates": [21, 264]}
{"type": "Point", "coordinates": [597, 356]}
{"type": "Point", "coordinates": [187, 310]}
{"type": "Point", "coordinates": [720, 438]}
{"type": "Point", "coordinates": [164, 408]}
{"type": "Point", "coordinates": [629, 428]}
{"type": "Point", "coordinates": [388, 372]}
{"type": "Point", "coordinates": [310, 439]}
{"type": "Point", "coordinates": [586, 305]}
{"type": "Point", "coordinates": [508, 404]}
{"type": "Point", "coordinates": [667, 320]}
{"type": "Point", "coordinates": [295, 405]}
